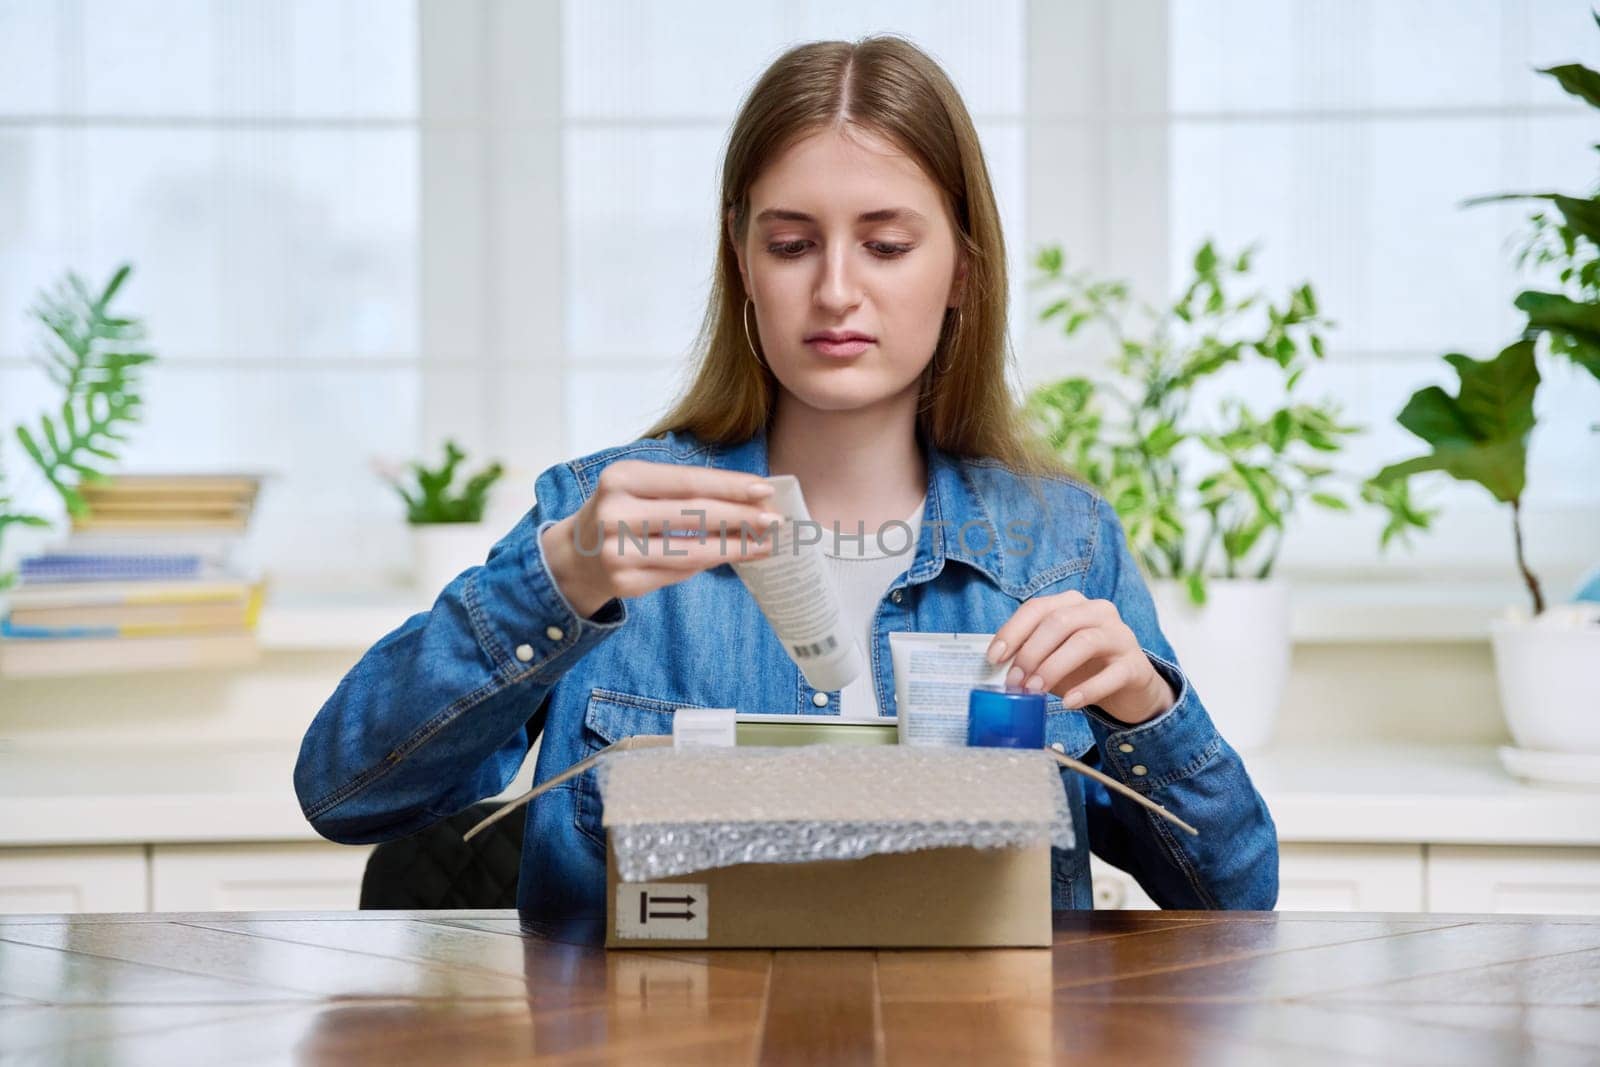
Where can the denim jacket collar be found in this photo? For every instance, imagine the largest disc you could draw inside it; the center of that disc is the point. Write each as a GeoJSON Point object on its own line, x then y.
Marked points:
{"type": "Point", "coordinates": [951, 502]}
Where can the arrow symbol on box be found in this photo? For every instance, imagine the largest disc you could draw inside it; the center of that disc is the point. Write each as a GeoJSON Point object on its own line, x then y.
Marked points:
{"type": "Point", "coordinates": [646, 902]}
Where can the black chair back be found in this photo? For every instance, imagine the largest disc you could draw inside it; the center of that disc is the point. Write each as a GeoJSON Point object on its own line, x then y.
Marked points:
{"type": "Point", "coordinates": [434, 868]}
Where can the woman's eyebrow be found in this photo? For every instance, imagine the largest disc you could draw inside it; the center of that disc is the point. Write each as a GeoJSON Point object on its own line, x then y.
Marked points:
{"type": "Point", "coordinates": [883, 214]}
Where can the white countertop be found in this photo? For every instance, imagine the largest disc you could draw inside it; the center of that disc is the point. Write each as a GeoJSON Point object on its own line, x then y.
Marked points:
{"type": "Point", "coordinates": [1439, 794]}
{"type": "Point", "coordinates": [55, 794]}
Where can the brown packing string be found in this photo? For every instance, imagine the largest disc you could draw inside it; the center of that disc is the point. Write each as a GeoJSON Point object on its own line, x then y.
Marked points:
{"type": "Point", "coordinates": [1107, 780]}
{"type": "Point", "coordinates": [661, 740]}
{"type": "Point", "coordinates": [637, 741]}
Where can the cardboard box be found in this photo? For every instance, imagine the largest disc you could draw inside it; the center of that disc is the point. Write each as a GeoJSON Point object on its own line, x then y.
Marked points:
{"type": "Point", "coordinates": [935, 898]}
{"type": "Point", "coordinates": [944, 896]}
{"type": "Point", "coordinates": [925, 848]}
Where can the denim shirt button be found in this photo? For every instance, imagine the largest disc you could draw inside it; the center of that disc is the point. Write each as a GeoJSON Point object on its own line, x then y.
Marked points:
{"type": "Point", "coordinates": [1124, 747]}
{"type": "Point", "coordinates": [1139, 769]}
{"type": "Point", "coordinates": [1059, 747]}
{"type": "Point", "coordinates": [819, 699]}
{"type": "Point", "coordinates": [524, 652]}
{"type": "Point", "coordinates": [896, 596]}
{"type": "Point", "coordinates": [554, 633]}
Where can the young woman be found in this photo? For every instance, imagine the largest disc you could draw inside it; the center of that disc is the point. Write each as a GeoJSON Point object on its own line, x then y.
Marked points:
{"type": "Point", "coordinates": [855, 338]}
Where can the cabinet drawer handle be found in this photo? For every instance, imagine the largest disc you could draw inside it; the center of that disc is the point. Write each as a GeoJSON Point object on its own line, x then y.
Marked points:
{"type": "Point", "coordinates": [1110, 894]}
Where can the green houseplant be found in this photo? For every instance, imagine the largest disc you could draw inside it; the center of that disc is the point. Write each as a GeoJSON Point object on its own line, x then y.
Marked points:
{"type": "Point", "coordinates": [94, 357]}
{"type": "Point", "coordinates": [432, 497]}
{"type": "Point", "coordinates": [448, 533]}
{"type": "Point", "coordinates": [1480, 434]}
{"type": "Point", "coordinates": [1202, 497]}
{"type": "Point", "coordinates": [1205, 492]}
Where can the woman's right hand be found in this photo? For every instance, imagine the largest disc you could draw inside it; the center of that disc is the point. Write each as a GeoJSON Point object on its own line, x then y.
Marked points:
{"type": "Point", "coordinates": [592, 559]}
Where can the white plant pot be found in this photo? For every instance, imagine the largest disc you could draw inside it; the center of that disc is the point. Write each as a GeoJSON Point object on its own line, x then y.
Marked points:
{"type": "Point", "coordinates": [1545, 671]}
{"type": "Point", "coordinates": [442, 550]}
{"type": "Point", "coordinates": [1235, 650]}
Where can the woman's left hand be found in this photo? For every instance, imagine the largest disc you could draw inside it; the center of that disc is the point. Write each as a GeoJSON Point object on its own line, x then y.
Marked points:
{"type": "Point", "coordinates": [1081, 650]}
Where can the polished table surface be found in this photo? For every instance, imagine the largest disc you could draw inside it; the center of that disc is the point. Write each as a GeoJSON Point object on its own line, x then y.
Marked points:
{"type": "Point", "coordinates": [479, 987]}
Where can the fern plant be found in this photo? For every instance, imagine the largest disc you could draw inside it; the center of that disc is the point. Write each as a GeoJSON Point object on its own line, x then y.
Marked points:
{"type": "Point", "coordinates": [94, 357]}
{"type": "Point", "coordinates": [430, 499]}
{"type": "Point", "coordinates": [10, 516]}
{"type": "Point", "coordinates": [88, 356]}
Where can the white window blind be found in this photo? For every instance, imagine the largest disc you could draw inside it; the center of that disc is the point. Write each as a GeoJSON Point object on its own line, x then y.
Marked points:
{"type": "Point", "coordinates": [1343, 138]}
{"type": "Point", "coordinates": [257, 162]}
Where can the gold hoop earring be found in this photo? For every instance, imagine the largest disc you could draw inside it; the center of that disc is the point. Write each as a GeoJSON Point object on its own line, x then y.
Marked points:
{"type": "Point", "coordinates": [747, 340]}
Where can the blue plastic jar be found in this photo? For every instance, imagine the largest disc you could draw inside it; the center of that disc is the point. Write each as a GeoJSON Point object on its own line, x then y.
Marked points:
{"type": "Point", "coordinates": [1005, 717]}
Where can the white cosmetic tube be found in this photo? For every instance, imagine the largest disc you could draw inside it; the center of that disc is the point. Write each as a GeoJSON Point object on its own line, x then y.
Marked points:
{"type": "Point", "coordinates": [795, 592]}
{"type": "Point", "coordinates": [934, 675]}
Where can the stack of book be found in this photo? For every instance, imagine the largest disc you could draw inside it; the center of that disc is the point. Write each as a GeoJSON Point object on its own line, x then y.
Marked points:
{"type": "Point", "coordinates": [155, 576]}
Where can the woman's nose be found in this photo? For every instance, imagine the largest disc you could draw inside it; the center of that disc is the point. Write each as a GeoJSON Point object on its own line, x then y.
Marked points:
{"type": "Point", "coordinates": [838, 289]}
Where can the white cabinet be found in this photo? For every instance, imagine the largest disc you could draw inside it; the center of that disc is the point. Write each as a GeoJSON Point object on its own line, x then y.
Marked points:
{"type": "Point", "coordinates": [1487, 879]}
{"type": "Point", "coordinates": [73, 879]}
{"type": "Point", "coordinates": [257, 877]}
{"type": "Point", "coordinates": [1311, 877]}
{"type": "Point", "coordinates": [316, 876]}
{"type": "Point", "coordinates": [1506, 880]}
{"type": "Point", "coordinates": [1115, 889]}
{"type": "Point", "coordinates": [1319, 877]}
{"type": "Point", "coordinates": [308, 876]}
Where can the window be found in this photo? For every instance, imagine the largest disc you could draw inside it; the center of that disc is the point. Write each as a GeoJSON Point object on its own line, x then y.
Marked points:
{"type": "Point", "coordinates": [258, 164]}
{"type": "Point", "coordinates": [360, 226]}
{"type": "Point", "coordinates": [1344, 138]}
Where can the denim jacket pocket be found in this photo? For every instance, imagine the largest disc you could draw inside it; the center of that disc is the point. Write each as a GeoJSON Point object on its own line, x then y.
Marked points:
{"type": "Point", "coordinates": [1066, 727]}
{"type": "Point", "coordinates": [609, 718]}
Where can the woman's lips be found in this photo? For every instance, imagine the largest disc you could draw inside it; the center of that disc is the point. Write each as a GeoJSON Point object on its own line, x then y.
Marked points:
{"type": "Point", "coordinates": [840, 349]}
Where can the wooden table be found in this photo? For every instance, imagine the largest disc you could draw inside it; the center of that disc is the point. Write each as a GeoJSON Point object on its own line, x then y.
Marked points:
{"type": "Point", "coordinates": [476, 987]}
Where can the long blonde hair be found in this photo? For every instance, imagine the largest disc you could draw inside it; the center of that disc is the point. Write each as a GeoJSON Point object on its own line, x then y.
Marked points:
{"type": "Point", "coordinates": [889, 86]}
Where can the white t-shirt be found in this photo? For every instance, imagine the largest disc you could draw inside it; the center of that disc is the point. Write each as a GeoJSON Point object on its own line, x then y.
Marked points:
{"type": "Point", "coordinates": [862, 572]}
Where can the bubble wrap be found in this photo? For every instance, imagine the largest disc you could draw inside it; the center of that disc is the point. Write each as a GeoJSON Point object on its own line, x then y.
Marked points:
{"type": "Point", "coordinates": [674, 811]}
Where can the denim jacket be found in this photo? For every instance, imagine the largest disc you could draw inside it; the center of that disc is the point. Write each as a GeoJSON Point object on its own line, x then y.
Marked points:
{"type": "Point", "coordinates": [441, 712]}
